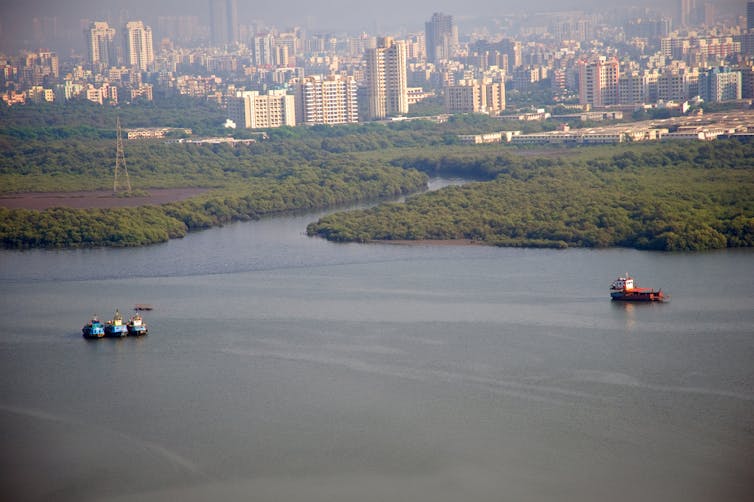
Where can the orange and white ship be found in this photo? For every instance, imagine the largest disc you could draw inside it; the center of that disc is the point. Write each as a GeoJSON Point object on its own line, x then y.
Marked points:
{"type": "Point", "coordinates": [625, 290]}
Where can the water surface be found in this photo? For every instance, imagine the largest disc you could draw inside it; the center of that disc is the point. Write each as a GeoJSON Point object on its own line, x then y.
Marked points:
{"type": "Point", "coordinates": [283, 367]}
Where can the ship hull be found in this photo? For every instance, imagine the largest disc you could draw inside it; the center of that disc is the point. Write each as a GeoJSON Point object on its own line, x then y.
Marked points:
{"type": "Point", "coordinates": [643, 296]}
{"type": "Point", "coordinates": [115, 331]}
{"type": "Point", "coordinates": [92, 334]}
{"type": "Point", "coordinates": [137, 330]}
{"type": "Point", "coordinates": [93, 330]}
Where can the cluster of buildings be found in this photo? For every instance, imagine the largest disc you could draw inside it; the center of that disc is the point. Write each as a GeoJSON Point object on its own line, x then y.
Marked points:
{"type": "Point", "coordinates": [603, 84]}
{"type": "Point", "coordinates": [267, 77]}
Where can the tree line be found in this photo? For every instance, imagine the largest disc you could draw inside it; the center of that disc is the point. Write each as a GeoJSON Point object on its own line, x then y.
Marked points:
{"type": "Point", "coordinates": [685, 195]}
{"type": "Point", "coordinates": [67, 227]}
{"type": "Point", "coordinates": [690, 197]}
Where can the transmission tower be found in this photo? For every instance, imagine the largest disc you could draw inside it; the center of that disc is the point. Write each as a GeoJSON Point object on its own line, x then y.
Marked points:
{"type": "Point", "coordinates": [120, 164]}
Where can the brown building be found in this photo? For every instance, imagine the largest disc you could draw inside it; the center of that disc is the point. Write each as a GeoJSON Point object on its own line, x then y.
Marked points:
{"type": "Point", "coordinates": [474, 96]}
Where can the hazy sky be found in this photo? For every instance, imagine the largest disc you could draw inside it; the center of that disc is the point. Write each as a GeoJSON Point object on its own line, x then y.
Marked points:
{"type": "Point", "coordinates": [337, 12]}
{"type": "Point", "coordinates": [345, 15]}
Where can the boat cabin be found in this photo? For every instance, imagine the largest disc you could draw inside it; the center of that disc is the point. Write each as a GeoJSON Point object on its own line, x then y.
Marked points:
{"type": "Point", "coordinates": [623, 283]}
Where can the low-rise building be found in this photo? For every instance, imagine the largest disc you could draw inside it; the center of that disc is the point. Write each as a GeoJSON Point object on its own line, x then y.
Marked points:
{"type": "Point", "coordinates": [154, 132]}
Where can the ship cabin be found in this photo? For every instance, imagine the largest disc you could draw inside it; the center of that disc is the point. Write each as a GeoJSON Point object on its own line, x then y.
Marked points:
{"type": "Point", "coordinates": [623, 283]}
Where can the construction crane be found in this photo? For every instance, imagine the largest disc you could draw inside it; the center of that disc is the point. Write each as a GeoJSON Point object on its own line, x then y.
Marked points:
{"type": "Point", "coordinates": [120, 164]}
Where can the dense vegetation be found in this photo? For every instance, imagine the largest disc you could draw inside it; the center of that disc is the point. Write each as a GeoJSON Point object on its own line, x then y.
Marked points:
{"type": "Point", "coordinates": [293, 170]}
{"type": "Point", "coordinates": [87, 120]}
{"type": "Point", "coordinates": [661, 196]}
{"type": "Point", "coordinates": [305, 188]}
{"type": "Point", "coordinates": [686, 197]}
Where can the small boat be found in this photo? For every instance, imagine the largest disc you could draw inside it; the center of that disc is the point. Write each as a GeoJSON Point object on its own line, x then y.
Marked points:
{"type": "Point", "coordinates": [115, 327]}
{"type": "Point", "coordinates": [143, 306]}
{"type": "Point", "coordinates": [94, 328]}
{"type": "Point", "coordinates": [136, 326]}
{"type": "Point", "coordinates": [625, 290]}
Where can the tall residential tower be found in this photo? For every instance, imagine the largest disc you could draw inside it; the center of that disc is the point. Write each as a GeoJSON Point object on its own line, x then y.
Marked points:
{"type": "Point", "coordinates": [598, 81]}
{"type": "Point", "coordinates": [100, 47]}
{"type": "Point", "coordinates": [441, 37]}
{"type": "Point", "coordinates": [223, 15]}
{"type": "Point", "coordinates": [139, 52]}
{"type": "Point", "coordinates": [686, 13]}
{"type": "Point", "coordinates": [385, 79]}
{"type": "Point", "coordinates": [327, 100]}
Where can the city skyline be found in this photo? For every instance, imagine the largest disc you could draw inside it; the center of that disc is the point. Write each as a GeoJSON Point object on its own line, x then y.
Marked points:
{"type": "Point", "coordinates": [598, 61]}
{"type": "Point", "coordinates": [335, 16]}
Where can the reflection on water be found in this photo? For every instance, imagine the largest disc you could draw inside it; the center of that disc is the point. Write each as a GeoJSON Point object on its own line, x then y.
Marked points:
{"type": "Point", "coordinates": [627, 309]}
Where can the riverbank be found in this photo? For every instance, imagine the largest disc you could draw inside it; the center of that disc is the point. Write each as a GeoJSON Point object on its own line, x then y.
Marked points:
{"type": "Point", "coordinates": [431, 242]}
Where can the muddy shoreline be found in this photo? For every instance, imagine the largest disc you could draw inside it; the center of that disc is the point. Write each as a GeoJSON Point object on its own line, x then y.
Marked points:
{"type": "Point", "coordinates": [95, 199]}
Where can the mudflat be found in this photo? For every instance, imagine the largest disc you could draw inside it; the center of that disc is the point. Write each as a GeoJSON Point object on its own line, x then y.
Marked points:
{"type": "Point", "coordinates": [102, 199]}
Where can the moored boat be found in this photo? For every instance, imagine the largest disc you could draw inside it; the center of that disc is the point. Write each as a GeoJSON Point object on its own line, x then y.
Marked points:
{"type": "Point", "coordinates": [94, 328]}
{"type": "Point", "coordinates": [115, 327]}
{"type": "Point", "coordinates": [624, 289]}
{"type": "Point", "coordinates": [136, 326]}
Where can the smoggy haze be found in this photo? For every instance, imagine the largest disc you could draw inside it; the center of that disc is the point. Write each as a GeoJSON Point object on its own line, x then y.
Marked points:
{"type": "Point", "coordinates": [333, 15]}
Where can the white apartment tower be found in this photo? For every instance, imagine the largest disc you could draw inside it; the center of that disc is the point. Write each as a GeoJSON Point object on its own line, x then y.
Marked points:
{"type": "Point", "coordinates": [327, 100]}
{"type": "Point", "coordinates": [99, 44]}
{"type": "Point", "coordinates": [385, 79]}
{"type": "Point", "coordinates": [598, 82]}
{"type": "Point", "coordinates": [251, 110]}
{"type": "Point", "coordinates": [263, 49]}
{"type": "Point", "coordinates": [139, 51]}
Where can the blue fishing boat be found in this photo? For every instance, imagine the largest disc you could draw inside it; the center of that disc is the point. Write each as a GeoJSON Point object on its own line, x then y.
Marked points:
{"type": "Point", "coordinates": [136, 326]}
{"type": "Point", "coordinates": [116, 327]}
{"type": "Point", "coordinates": [94, 328]}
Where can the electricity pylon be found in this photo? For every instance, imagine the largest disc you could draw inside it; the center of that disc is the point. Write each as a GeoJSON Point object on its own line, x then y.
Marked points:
{"type": "Point", "coordinates": [120, 163]}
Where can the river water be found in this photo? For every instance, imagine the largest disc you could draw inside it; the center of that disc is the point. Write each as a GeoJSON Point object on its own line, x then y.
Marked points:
{"type": "Point", "coordinates": [286, 368]}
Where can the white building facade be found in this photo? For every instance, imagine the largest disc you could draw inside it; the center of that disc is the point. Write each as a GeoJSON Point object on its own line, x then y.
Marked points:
{"type": "Point", "coordinates": [252, 110]}
{"type": "Point", "coordinates": [327, 100]}
{"type": "Point", "coordinates": [385, 79]}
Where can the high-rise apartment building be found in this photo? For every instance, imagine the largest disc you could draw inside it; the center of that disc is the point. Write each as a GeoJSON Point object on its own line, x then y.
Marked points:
{"type": "Point", "coordinates": [100, 46]}
{"type": "Point", "coordinates": [138, 44]}
{"type": "Point", "coordinates": [263, 49]}
{"type": "Point", "coordinates": [512, 49]}
{"type": "Point", "coordinates": [632, 88]}
{"type": "Point", "coordinates": [747, 82]}
{"type": "Point", "coordinates": [678, 83]}
{"type": "Point", "coordinates": [327, 100]}
{"type": "Point", "coordinates": [750, 16]}
{"type": "Point", "coordinates": [223, 16]}
{"type": "Point", "coordinates": [441, 37]}
{"type": "Point", "coordinates": [251, 110]}
{"type": "Point", "coordinates": [686, 13]}
{"type": "Point", "coordinates": [181, 29]}
{"type": "Point", "coordinates": [598, 81]}
{"type": "Point", "coordinates": [385, 79]}
{"type": "Point", "coordinates": [720, 84]}
{"type": "Point", "coordinates": [474, 96]}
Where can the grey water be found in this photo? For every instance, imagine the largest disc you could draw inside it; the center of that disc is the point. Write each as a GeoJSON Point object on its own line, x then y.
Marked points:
{"type": "Point", "coordinates": [281, 367]}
